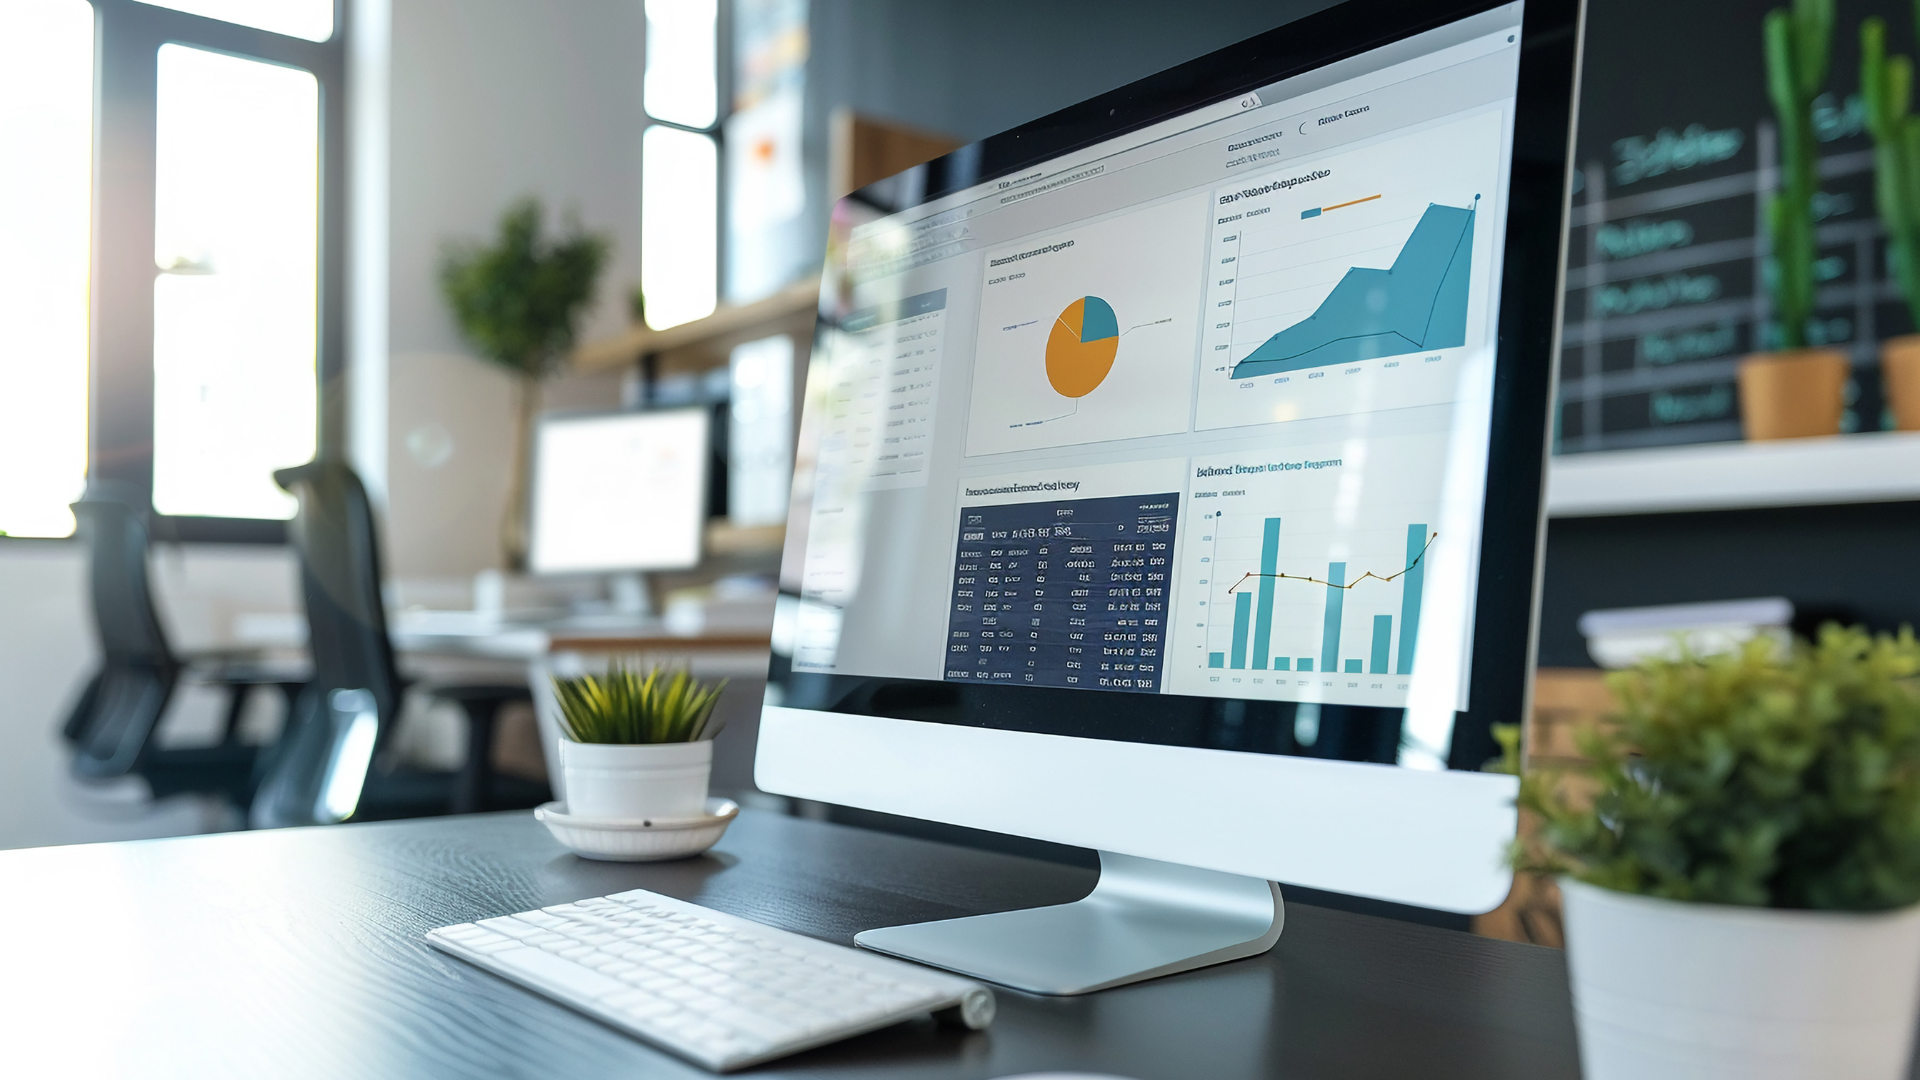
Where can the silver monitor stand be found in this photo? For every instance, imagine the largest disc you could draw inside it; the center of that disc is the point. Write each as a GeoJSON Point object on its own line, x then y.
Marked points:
{"type": "Point", "coordinates": [1144, 919]}
{"type": "Point", "coordinates": [628, 594]}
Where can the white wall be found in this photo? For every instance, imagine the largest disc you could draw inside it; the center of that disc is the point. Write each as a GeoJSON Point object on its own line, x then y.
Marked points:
{"type": "Point", "coordinates": [492, 100]}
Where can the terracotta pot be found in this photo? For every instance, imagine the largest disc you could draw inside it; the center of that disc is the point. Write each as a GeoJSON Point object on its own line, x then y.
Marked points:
{"type": "Point", "coordinates": [1900, 375]}
{"type": "Point", "coordinates": [1793, 394]}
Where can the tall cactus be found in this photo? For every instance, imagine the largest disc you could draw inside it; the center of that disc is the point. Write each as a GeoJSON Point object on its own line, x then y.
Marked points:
{"type": "Point", "coordinates": [1799, 42]}
{"type": "Point", "coordinates": [1886, 85]}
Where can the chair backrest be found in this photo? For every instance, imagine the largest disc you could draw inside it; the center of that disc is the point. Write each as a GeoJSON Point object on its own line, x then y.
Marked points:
{"type": "Point", "coordinates": [113, 722]}
{"type": "Point", "coordinates": [333, 533]}
{"type": "Point", "coordinates": [334, 536]}
{"type": "Point", "coordinates": [123, 612]}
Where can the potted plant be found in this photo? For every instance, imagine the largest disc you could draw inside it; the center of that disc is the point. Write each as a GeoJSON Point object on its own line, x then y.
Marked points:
{"type": "Point", "coordinates": [1886, 86]}
{"type": "Point", "coordinates": [1740, 864]}
{"type": "Point", "coordinates": [636, 747]}
{"type": "Point", "coordinates": [1795, 390]}
{"type": "Point", "coordinates": [518, 301]}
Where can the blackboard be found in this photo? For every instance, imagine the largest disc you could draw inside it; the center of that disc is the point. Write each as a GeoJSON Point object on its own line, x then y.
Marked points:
{"type": "Point", "coordinates": [1666, 258]}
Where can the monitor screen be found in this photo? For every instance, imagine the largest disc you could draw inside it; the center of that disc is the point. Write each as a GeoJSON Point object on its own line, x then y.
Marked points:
{"type": "Point", "coordinates": [1194, 413]}
{"type": "Point", "coordinates": [619, 491]}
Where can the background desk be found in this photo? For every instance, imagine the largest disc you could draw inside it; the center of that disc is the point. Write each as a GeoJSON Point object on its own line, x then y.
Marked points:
{"type": "Point", "coordinates": [298, 954]}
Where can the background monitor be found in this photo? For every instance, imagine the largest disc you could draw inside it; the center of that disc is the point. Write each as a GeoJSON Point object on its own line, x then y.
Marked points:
{"type": "Point", "coordinates": [1171, 469]}
{"type": "Point", "coordinates": [619, 491]}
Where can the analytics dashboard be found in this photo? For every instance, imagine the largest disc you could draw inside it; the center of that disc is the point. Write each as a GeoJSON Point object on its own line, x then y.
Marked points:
{"type": "Point", "coordinates": [1200, 410]}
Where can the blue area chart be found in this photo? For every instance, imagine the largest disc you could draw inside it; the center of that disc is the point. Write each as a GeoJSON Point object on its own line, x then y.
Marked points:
{"type": "Point", "coordinates": [1420, 302]}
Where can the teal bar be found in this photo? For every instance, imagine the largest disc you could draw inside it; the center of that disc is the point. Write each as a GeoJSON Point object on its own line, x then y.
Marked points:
{"type": "Point", "coordinates": [1382, 637]}
{"type": "Point", "coordinates": [1306, 664]}
{"type": "Point", "coordinates": [1410, 584]}
{"type": "Point", "coordinates": [1216, 659]}
{"type": "Point", "coordinates": [1242, 609]}
{"type": "Point", "coordinates": [1279, 663]}
{"type": "Point", "coordinates": [1313, 213]}
{"type": "Point", "coordinates": [1330, 631]}
{"type": "Point", "coordinates": [1269, 566]}
{"type": "Point", "coordinates": [1353, 667]}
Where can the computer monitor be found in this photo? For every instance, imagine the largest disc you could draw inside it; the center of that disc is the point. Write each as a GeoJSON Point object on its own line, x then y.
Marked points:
{"type": "Point", "coordinates": [1171, 478]}
{"type": "Point", "coordinates": [619, 492]}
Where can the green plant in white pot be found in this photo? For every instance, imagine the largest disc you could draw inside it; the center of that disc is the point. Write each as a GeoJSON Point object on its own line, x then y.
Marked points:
{"type": "Point", "coordinates": [636, 747]}
{"type": "Point", "coordinates": [1741, 864]}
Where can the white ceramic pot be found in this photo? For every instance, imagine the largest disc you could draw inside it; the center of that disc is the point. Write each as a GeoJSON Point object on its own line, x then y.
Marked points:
{"type": "Point", "coordinates": [636, 783]}
{"type": "Point", "coordinates": [1664, 990]}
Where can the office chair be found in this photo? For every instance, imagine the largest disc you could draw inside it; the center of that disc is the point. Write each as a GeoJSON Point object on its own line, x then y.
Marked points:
{"type": "Point", "coordinates": [111, 727]}
{"type": "Point", "coordinates": [331, 765]}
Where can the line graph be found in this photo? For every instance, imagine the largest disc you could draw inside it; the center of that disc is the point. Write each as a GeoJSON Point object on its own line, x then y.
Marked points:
{"type": "Point", "coordinates": [1368, 576]}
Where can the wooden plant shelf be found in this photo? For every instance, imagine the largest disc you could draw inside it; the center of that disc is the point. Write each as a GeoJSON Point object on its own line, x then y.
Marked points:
{"type": "Point", "coordinates": [728, 326]}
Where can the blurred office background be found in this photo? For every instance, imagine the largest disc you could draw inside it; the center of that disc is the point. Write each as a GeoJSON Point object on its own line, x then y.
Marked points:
{"type": "Point", "coordinates": [268, 285]}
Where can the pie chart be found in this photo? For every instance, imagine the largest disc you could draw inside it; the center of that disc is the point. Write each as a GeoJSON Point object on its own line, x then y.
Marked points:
{"type": "Point", "coordinates": [1081, 349]}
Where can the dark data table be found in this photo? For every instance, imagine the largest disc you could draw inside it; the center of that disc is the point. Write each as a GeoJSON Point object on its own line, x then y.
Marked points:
{"type": "Point", "coordinates": [1063, 593]}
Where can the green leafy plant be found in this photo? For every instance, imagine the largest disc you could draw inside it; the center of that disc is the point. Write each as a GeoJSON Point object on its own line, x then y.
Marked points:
{"type": "Point", "coordinates": [1799, 44]}
{"type": "Point", "coordinates": [1766, 777]}
{"type": "Point", "coordinates": [1886, 86]}
{"type": "Point", "coordinates": [627, 708]}
{"type": "Point", "coordinates": [518, 302]}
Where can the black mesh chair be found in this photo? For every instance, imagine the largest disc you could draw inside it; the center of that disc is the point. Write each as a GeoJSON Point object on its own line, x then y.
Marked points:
{"type": "Point", "coordinates": [111, 728]}
{"type": "Point", "coordinates": [332, 764]}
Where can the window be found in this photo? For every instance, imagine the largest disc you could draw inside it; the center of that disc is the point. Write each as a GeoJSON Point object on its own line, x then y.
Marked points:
{"type": "Point", "coordinates": [235, 327]}
{"type": "Point", "coordinates": [679, 187]}
{"type": "Point", "coordinates": [682, 83]}
{"type": "Point", "coordinates": [679, 162]}
{"type": "Point", "coordinates": [176, 310]}
{"type": "Point", "coordinates": [46, 138]}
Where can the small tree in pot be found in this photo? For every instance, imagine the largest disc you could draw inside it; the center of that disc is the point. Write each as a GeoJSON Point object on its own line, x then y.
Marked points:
{"type": "Point", "coordinates": [518, 301]}
{"type": "Point", "coordinates": [1742, 864]}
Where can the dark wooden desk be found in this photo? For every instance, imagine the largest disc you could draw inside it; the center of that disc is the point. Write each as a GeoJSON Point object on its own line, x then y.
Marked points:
{"type": "Point", "coordinates": [297, 954]}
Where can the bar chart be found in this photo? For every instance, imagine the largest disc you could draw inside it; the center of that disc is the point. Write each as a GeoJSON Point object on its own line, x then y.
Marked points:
{"type": "Point", "coordinates": [1251, 635]}
{"type": "Point", "coordinates": [1308, 579]}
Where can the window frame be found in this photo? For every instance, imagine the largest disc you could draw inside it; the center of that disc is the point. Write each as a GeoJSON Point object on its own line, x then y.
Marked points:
{"type": "Point", "coordinates": [127, 40]}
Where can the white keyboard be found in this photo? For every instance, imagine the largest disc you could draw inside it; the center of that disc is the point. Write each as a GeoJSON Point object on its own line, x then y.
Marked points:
{"type": "Point", "coordinates": [718, 990]}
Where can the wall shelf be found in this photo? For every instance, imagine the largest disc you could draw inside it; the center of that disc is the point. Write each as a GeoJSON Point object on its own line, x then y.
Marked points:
{"type": "Point", "coordinates": [726, 538]}
{"type": "Point", "coordinates": [728, 326]}
{"type": "Point", "coordinates": [1872, 467]}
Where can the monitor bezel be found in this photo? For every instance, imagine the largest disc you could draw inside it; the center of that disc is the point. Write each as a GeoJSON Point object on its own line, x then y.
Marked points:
{"type": "Point", "coordinates": [568, 416]}
{"type": "Point", "coordinates": [1524, 380]}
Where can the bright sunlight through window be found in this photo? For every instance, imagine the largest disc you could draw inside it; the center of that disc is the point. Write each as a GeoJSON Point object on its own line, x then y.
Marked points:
{"type": "Point", "coordinates": [681, 85]}
{"type": "Point", "coordinates": [679, 174]}
{"type": "Point", "coordinates": [235, 320]}
{"type": "Point", "coordinates": [310, 19]}
{"type": "Point", "coordinates": [46, 143]}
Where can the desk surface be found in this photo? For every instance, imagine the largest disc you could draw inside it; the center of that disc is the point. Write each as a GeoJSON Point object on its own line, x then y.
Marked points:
{"type": "Point", "coordinates": [298, 954]}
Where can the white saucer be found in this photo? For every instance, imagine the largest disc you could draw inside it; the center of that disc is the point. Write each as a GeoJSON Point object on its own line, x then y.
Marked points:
{"type": "Point", "coordinates": [639, 841]}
